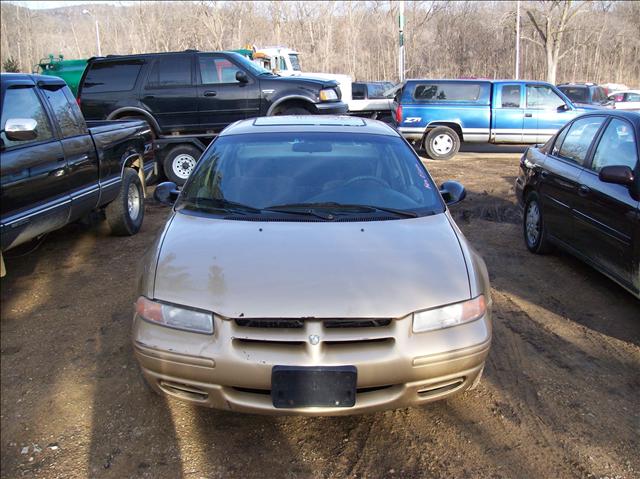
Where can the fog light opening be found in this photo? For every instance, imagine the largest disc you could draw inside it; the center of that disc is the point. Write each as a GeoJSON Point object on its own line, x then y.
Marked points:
{"type": "Point", "coordinates": [183, 390]}
{"type": "Point", "coordinates": [439, 388]}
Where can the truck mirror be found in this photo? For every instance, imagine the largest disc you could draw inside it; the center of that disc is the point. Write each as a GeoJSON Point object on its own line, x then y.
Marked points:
{"type": "Point", "coordinates": [166, 193]}
{"type": "Point", "coordinates": [21, 129]}
{"type": "Point", "coordinates": [241, 77]}
{"type": "Point", "coordinates": [452, 192]}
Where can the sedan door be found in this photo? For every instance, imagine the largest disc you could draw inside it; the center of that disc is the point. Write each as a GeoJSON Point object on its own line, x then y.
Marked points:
{"type": "Point", "coordinates": [34, 195]}
{"type": "Point", "coordinates": [559, 176]}
{"type": "Point", "coordinates": [606, 214]}
{"type": "Point", "coordinates": [222, 99]}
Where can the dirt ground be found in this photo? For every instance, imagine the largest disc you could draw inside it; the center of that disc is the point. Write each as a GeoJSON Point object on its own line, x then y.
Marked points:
{"type": "Point", "coordinates": [560, 397]}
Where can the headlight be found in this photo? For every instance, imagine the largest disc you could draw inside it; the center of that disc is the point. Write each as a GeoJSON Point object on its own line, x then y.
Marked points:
{"type": "Point", "coordinates": [328, 95]}
{"type": "Point", "coordinates": [450, 315]}
{"type": "Point", "coordinates": [172, 316]}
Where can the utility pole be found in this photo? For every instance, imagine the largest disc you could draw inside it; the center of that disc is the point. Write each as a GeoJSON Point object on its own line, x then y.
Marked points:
{"type": "Point", "coordinates": [87, 12]}
{"type": "Point", "coordinates": [401, 38]}
{"type": "Point", "coordinates": [517, 75]}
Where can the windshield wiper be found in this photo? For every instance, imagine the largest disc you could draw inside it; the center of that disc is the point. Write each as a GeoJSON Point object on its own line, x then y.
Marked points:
{"type": "Point", "coordinates": [308, 208]}
{"type": "Point", "coordinates": [221, 204]}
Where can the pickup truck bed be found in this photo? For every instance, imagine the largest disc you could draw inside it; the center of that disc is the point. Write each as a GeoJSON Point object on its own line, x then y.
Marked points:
{"type": "Point", "coordinates": [57, 168]}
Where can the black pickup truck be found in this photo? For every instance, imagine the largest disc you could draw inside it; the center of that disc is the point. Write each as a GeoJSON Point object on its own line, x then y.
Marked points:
{"type": "Point", "coordinates": [56, 168]}
{"type": "Point", "coordinates": [187, 97]}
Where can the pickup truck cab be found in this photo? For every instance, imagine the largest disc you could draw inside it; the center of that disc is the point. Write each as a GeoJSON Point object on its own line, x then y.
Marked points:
{"type": "Point", "coordinates": [440, 114]}
{"type": "Point", "coordinates": [56, 168]}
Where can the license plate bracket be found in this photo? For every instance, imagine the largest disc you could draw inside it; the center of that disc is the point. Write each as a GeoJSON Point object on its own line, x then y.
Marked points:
{"type": "Point", "coordinates": [313, 386]}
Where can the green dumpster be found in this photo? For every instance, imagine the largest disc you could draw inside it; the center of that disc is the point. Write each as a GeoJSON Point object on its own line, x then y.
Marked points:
{"type": "Point", "coordinates": [69, 70]}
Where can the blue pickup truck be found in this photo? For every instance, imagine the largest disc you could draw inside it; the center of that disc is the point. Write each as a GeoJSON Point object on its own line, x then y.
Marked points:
{"type": "Point", "coordinates": [440, 114]}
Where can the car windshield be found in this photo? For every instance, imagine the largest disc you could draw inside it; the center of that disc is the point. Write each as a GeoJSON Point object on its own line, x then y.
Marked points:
{"type": "Point", "coordinates": [249, 65]}
{"type": "Point", "coordinates": [307, 172]}
{"type": "Point", "coordinates": [295, 62]}
{"type": "Point", "coordinates": [576, 94]}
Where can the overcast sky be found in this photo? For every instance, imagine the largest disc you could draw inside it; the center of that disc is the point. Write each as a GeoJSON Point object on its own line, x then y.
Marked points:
{"type": "Point", "coordinates": [51, 4]}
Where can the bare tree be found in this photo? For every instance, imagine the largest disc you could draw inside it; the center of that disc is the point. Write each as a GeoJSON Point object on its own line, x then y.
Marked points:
{"type": "Point", "coordinates": [551, 19]}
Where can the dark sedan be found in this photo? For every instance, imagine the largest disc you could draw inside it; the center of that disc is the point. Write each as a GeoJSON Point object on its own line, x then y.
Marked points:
{"type": "Point", "coordinates": [581, 192]}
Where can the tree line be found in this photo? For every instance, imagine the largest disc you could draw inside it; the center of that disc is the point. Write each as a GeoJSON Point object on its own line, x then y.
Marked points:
{"type": "Point", "coordinates": [560, 40]}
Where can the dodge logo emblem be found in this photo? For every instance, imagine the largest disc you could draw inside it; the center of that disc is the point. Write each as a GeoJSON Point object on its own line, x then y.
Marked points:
{"type": "Point", "coordinates": [314, 339]}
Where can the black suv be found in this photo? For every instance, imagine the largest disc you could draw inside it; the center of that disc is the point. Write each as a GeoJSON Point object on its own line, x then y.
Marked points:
{"type": "Point", "coordinates": [585, 94]}
{"type": "Point", "coordinates": [196, 93]}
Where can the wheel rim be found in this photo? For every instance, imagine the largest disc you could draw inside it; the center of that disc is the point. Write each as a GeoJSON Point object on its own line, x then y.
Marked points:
{"type": "Point", "coordinates": [442, 144]}
{"type": "Point", "coordinates": [183, 165]}
{"type": "Point", "coordinates": [133, 201]}
{"type": "Point", "coordinates": [532, 223]}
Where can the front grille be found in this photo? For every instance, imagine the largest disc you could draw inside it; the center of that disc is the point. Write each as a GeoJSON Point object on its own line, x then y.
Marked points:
{"type": "Point", "coordinates": [300, 335]}
{"type": "Point", "coordinates": [270, 323]}
{"type": "Point", "coordinates": [286, 323]}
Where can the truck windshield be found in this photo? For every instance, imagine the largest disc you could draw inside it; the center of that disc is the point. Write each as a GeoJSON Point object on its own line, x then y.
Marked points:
{"type": "Point", "coordinates": [248, 64]}
{"type": "Point", "coordinates": [295, 62]}
{"type": "Point", "coordinates": [576, 94]}
{"type": "Point", "coordinates": [291, 169]}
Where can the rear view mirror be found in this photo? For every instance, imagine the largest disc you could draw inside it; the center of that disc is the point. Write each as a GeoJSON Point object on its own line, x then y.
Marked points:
{"type": "Point", "coordinates": [241, 77]}
{"type": "Point", "coordinates": [452, 192]}
{"type": "Point", "coordinates": [21, 129]}
{"type": "Point", "coordinates": [618, 174]}
{"type": "Point", "coordinates": [166, 193]}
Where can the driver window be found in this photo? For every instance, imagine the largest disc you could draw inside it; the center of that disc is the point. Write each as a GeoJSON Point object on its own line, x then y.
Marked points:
{"type": "Point", "coordinates": [543, 97]}
{"type": "Point", "coordinates": [24, 103]}
{"type": "Point", "coordinates": [217, 70]}
{"type": "Point", "coordinates": [617, 147]}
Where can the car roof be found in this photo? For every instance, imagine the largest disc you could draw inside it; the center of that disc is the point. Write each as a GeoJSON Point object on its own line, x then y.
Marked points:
{"type": "Point", "coordinates": [632, 116]}
{"type": "Point", "coordinates": [30, 79]}
{"type": "Point", "coordinates": [309, 123]}
{"type": "Point", "coordinates": [476, 80]}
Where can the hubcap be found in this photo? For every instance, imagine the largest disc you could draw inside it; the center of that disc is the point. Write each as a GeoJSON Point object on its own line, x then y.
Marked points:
{"type": "Point", "coordinates": [533, 223]}
{"type": "Point", "coordinates": [133, 202]}
{"type": "Point", "coordinates": [442, 144]}
{"type": "Point", "coordinates": [183, 165]}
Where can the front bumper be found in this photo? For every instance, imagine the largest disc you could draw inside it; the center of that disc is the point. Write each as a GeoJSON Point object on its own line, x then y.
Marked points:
{"type": "Point", "coordinates": [231, 369]}
{"type": "Point", "coordinates": [332, 108]}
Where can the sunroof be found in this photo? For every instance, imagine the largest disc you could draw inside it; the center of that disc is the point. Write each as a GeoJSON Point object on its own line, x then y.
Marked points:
{"type": "Point", "coordinates": [308, 120]}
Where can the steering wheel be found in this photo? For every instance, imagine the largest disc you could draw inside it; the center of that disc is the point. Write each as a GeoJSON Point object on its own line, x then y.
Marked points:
{"type": "Point", "coordinates": [375, 179]}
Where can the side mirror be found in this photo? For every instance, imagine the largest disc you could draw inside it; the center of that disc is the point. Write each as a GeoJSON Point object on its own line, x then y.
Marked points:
{"type": "Point", "coordinates": [241, 77]}
{"type": "Point", "coordinates": [618, 174]}
{"type": "Point", "coordinates": [21, 129]}
{"type": "Point", "coordinates": [166, 193]}
{"type": "Point", "coordinates": [563, 107]}
{"type": "Point", "coordinates": [452, 192]}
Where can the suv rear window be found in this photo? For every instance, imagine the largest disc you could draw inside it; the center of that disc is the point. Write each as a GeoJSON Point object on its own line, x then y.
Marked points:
{"type": "Point", "coordinates": [111, 76]}
{"type": "Point", "coordinates": [447, 91]}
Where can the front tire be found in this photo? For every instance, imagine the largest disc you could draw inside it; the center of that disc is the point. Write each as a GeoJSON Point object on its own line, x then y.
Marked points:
{"type": "Point", "coordinates": [535, 234]}
{"type": "Point", "coordinates": [442, 143]}
{"type": "Point", "coordinates": [294, 110]}
{"type": "Point", "coordinates": [180, 162]}
{"type": "Point", "coordinates": [126, 212]}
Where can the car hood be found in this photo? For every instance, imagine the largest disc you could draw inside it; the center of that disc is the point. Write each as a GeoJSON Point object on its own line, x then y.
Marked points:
{"type": "Point", "coordinates": [383, 269]}
{"type": "Point", "coordinates": [318, 83]}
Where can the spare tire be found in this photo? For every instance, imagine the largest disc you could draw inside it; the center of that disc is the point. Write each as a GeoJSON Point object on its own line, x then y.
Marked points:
{"type": "Point", "coordinates": [179, 162]}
